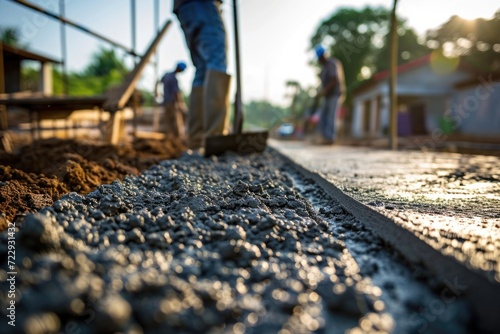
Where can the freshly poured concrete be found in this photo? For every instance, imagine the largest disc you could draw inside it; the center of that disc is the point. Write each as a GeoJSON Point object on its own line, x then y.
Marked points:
{"type": "Point", "coordinates": [451, 201]}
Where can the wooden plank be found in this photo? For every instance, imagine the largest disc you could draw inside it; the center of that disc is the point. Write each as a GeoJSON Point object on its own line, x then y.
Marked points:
{"type": "Point", "coordinates": [150, 135]}
{"type": "Point", "coordinates": [41, 103]}
{"type": "Point", "coordinates": [118, 97]}
{"type": "Point", "coordinates": [22, 54]}
{"type": "Point", "coordinates": [113, 128]}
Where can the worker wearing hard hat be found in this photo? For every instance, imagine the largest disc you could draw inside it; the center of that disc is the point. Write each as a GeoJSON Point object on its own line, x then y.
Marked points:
{"type": "Point", "coordinates": [333, 91]}
{"type": "Point", "coordinates": [205, 36]}
{"type": "Point", "coordinates": [172, 120]}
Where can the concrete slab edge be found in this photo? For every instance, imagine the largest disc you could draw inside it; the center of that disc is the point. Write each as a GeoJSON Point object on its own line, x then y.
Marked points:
{"type": "Point", "coordinates": [459, 281]}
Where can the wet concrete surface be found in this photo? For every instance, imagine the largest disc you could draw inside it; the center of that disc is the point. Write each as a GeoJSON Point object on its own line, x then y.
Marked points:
{"type": "Point", "coordinates": [449, 200]}
{"type": "Point", "coordinates": [220, 245]}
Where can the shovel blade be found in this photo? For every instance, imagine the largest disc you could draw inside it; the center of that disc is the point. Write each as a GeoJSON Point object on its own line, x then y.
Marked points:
{"type": "Point", "coordinates": [242, 143]}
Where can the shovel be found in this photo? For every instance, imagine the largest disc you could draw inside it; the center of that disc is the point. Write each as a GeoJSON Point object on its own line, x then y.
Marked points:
{"type": "Point", "coordinates": [239, 142]}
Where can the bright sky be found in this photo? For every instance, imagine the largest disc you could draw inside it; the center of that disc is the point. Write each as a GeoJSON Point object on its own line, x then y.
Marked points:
{"type": "Point", "coordinates": [274, 34]}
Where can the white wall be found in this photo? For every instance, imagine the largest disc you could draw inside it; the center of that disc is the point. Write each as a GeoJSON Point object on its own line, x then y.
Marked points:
{"type": "Point", "coordinates": [435, 108]}
{"type": "Point", "coordinates": [425, 81]}
{"type": "Point", "coordinates": [434, 90]}
{"type": "Point", "coordinates": [476, 110]}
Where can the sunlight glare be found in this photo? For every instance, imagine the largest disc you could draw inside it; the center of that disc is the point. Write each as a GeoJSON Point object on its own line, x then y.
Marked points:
{"type": "Point", "coordinates": [470, 11]}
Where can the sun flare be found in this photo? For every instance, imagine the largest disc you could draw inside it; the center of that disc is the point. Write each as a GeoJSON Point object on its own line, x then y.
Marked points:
{"type": "Point", "coordinates": [471, 12]}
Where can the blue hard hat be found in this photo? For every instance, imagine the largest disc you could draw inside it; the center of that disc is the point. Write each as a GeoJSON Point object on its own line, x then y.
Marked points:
{"type": "Point", "coordinates": [181, 65]}
{"type": "Point", "coordinates": [320, 50]}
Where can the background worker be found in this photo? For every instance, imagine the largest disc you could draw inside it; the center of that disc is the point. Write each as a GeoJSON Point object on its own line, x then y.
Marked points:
{"type": "Point", "coordinates": [205, 36]}
{"type": "Point", "coordinates": [333, 91]}
{"type": "Point", "coordinates": [172, 120]}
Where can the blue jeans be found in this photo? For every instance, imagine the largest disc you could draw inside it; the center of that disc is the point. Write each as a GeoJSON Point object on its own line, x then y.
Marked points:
{"type": "Point", "coordinates": [326, 123]}
{"type": "Point", "coordinates": [205, 35]}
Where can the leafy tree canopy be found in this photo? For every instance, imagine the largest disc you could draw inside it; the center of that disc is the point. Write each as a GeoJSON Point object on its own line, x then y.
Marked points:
{"type": "Point", "coordinates": [476, 41]}
{"type": "Point", "coordinates": [104, 70]}
{"type": "Point", "coordinates": [264, 114]}
{"type": "Point", "coordinates": [301, 99]}
{"type": "Point", "coordinates": [10, 36]}
{"type": "Point", "coordinates": [104, 62]}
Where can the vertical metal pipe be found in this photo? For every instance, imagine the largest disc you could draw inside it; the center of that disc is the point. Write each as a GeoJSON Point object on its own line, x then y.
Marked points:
{"type": "Point", "coordinates": [133, 25]}
{"type": "Point", "coordinates": [134, 47]}
{"type": "Point", "coordinates": [157, 30]}
{"type": "Point", "coordinates": [238, 105]}
{"type": "Point", "coordinates": [156, 107]}
{"type": "Point", "coordinates": [4, 139]}
{"type": "Point", "coordinates": [64, 50]}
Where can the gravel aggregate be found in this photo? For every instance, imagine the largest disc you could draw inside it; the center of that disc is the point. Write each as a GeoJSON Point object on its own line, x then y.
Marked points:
{"type": "Point", "coordinates": [219, 245]}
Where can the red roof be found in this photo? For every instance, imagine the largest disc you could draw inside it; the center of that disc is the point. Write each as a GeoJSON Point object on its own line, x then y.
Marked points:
{"type": "Point", "coordinates": [403, 68]}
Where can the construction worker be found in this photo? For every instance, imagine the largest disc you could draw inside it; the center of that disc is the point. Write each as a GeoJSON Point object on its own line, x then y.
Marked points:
{"type": "Point", "coordinates": [172, 120]}
{"type": "Point", "coordinates": [333, 90]}
{"type": "Point", "coordinates": [205, 36]}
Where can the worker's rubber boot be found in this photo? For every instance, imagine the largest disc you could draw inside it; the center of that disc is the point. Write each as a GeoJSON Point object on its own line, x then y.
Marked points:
{"type": "Point", "coordinates": [195, 118]}
{"type": "Point", "coordinates": [216, 103]}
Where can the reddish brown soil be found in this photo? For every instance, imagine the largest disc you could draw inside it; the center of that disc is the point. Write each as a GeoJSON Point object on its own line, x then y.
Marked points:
{"type": "Point", "coordinates": [38, 174]}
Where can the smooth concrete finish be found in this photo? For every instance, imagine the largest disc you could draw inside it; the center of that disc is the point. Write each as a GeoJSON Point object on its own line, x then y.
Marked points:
{"type": "Point", "coordinates": [450, 201]}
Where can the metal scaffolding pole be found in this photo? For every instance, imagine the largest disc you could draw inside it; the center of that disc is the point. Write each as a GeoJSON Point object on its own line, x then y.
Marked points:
{"type": "Point", "coordinates": [64, 50]}
{"type": "Point", "coordinates": [135, 102]}
{"type": "Point", "coordinates": [133, 25]}
{"type": "Point", "coordinates": [238, 104]}
{"type": "Point", "coordinates": [157, 29]}
{"type": "Point", "coordinates": [75, 25]}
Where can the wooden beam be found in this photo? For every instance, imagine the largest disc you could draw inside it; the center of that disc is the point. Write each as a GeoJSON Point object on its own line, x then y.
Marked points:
{"type": "Point", "coordinates": [393, 139]}
{"type": "Point", "coordinates": [120, 96]}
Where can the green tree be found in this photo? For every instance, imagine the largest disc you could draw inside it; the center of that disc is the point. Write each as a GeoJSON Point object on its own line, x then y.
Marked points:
{"type": "Point", "coordinates": [301, 100]}
{"type": "Point", "coordinates": [294, 95]}
{"type": "Point", "coordinates": [10, 36]}
{"type": "Point", "coordinates": [30, 78]}
{"type": "Point", "coordinates": [79, 85]}
{"type": "Point", "coordinates": [104, 70]}
{"type": "Point", "coordinates": [408, 48]}
{"type": "Point", "coordinates": [477, 41]}
{"type": "Point", "coordinates": [264, 114]}
{"type": "Point", "coordinates": [103, 62]}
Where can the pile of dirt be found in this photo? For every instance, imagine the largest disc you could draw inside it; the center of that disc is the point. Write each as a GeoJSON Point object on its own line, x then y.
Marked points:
{"type": "Point", "coordinates": [38, 174]}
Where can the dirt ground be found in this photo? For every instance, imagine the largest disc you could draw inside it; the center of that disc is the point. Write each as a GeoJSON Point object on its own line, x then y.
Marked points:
{"type": "Point", "coordinates": [36, 175]}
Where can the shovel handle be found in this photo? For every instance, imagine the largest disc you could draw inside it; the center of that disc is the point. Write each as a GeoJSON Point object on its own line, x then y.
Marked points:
{"type": "Point", "coordinates": [238, 104]}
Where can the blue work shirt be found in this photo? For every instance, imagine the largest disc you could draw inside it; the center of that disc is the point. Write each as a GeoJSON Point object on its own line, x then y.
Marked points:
{"type": "Point", "coordinates": [170, 87]}
{"type": "Point", "coordinates": [333, 70]}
